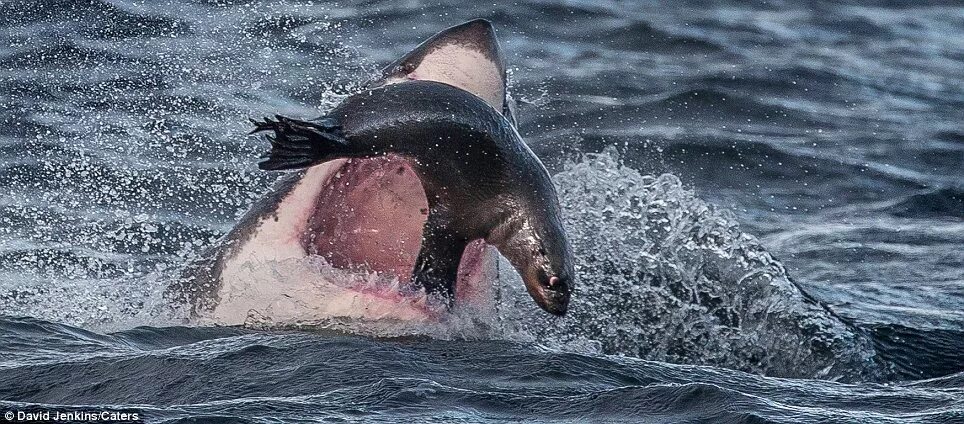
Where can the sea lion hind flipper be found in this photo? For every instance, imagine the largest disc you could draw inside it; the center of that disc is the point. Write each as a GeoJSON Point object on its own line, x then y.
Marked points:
{"type": "Point", "coordinates": [436, 268]}
{"type": "Point", "coordinates": [300, 144]}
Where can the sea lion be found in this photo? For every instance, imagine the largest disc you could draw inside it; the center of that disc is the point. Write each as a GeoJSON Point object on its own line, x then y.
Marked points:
{"type": "Point", "coordinates": [480, 179]}
{"type": "Point", "coordinates": [368, 212]}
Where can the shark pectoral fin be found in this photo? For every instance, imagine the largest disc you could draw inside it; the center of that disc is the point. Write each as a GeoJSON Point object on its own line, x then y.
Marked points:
{"type": "Point", "coordinates": [436, 268]}
{"type": "Point", "coordinates": [300, 144]}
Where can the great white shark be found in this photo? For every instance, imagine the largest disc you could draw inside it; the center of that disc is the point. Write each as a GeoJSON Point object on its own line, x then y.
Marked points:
{"type": "Point", "coordinates": [341, 238]}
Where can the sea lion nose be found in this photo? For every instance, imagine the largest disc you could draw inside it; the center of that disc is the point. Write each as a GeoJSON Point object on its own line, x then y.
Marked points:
{"type": "Point", "coordinates": [556, 296]}
{"type": "Point", "coordinates": [557, 302]}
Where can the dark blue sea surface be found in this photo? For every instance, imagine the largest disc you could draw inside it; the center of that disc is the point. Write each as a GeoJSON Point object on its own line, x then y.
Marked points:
{"type": "Point", "coordinates": [766, 201]}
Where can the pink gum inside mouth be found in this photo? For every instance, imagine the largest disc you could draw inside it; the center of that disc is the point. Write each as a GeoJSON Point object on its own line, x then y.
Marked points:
{"type": "Point", "coordinates": [370, 215]}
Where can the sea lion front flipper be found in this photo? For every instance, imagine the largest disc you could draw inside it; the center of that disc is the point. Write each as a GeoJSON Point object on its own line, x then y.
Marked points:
{"type": "Point", "coordinates": [300, 144]}
{"type": "Point", "coordinates": [436, 268]}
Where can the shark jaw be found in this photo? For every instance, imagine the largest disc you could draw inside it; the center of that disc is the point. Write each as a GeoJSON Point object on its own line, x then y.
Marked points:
{"type": "Point", "coordinates": [341, 244]}
{"type": "Point", "coordinates": [363, 217]}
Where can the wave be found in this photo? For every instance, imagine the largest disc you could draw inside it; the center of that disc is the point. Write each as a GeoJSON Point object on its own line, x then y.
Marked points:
{"type": "Point", "coordinates": [663, 276]}
{"type": "Point", "coordinates": [139, 110]}
{"type": "Point", "coordinates": [919, 353]}
{"type": "Point", "coordinates": [241, 374]}
{"type": "Point", "coordinates": [940, 203]}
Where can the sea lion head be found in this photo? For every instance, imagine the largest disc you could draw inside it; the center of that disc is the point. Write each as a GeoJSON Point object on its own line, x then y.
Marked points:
{"type": "Point", "coordinates": [549, 280]}
{"type": "Point", "coordinates": [536, 246]}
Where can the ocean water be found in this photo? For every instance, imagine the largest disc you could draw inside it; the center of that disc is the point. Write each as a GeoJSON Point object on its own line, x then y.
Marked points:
{"type": "Point", "coordinates": [766, 201]}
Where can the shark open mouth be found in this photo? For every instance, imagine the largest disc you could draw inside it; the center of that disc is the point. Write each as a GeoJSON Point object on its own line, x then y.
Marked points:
{"type": "Point", "coordinates": [341, 243]}
{"type": "Point", "coordinates": [368, 216]}
{"type": "Point", "coordinates": [363, 217]}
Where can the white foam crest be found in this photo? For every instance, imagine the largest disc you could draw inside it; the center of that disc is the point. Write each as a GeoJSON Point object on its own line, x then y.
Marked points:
{"type": "Point", "coordinates": [663, 275]}
{"type": "Point", "coordinates": [102, 305]}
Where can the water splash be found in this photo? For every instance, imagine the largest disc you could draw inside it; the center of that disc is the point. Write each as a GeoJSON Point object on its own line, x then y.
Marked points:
{"type": "Point", "coordinates": [125, 127]}
{"type": "Point", "coordinates": [665, 276]}
{"type": "Point", "coordinates": [662, 275]}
